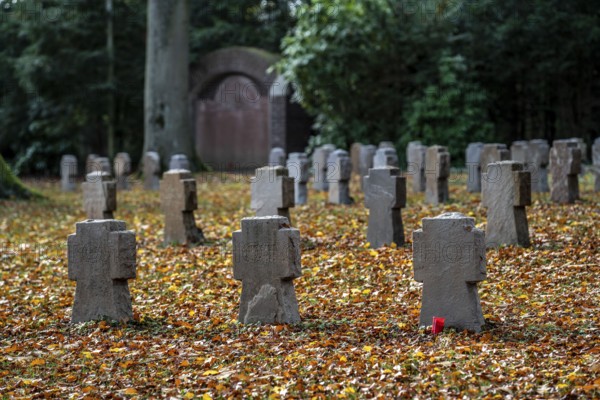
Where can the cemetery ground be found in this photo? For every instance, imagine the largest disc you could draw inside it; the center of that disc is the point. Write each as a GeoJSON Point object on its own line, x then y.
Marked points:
{"type": "Point", "coordinates": [359, 336]}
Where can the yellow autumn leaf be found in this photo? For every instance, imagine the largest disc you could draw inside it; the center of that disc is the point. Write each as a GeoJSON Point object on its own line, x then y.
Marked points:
{"type": "Point", "coordinates": [130, 391]}
{"type": "Point", "coordinates": [368, 348]}
{"type": "Point", "coordinates": [206, 396]}
{"type": "Point", "coordinates": [117, 349]}
{"type": "Point", "coordinates": [188, 395]}
{"type": "Point", "coordinates": [210, 372]}
{"type": "Point", "coordinates": [37, 361]}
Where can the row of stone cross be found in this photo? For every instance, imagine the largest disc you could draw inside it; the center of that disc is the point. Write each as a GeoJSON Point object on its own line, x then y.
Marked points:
{"type": "Point", "coordinates": [69, 169]}
{"type": "Point", "coordinates": [448, 258]}
{"type": "Point", "coordinates": [448, 252]}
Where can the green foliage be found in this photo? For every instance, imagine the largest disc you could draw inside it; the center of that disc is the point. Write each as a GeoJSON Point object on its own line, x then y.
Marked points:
{"type": "Point", "coordinates": [451, 111]}
{"type": "Point", "coordinates": [54, 71]}
{"type": "Point", "coordinates": [357, 64]}
{"type": "Point", "coordinates": [54, 66]}
{"type": "Point", "coordinates": [218, 24]}
{"type": "Point", "coordinates": [447, 72]}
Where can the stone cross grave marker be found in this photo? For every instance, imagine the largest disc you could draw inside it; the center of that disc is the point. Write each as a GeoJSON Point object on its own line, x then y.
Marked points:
{"type": "Point", "coordinates": [385, 157]}
{"type": "Point", "coordinates": [68, 173]}
{"type": "Point", "coordinates": [320, 157]}
{"type": "Point", "coordinates": [338, 176]}
{"type": "Point", "coordinates": [385, 195]}
{"type": "Point", "coordinates": [178, 200]}
{"type": "Point", "coordinates": [415, 157]}
{"type": "Point", "coordinates": [519, 151]}
{"type": "Point", "coordinates": [99, 195]}
{"type": "Point", "coordinates": [272, 192]}
{"type": "Point", "coordinates": [473, 157]}
{"type": "Point", "coordinates": [437, 171]}
{"type": "Point", "coordinates": [581, 145]}
{"type": "Point", "coordinates": [179, 161]}
{"type": "Point", "coordinates": [540, 157]}
{"type": "Point", "coordinates": [365, 159]}
{"type": "Point", "coordinates": [90, 163]}
{"type": "Point", "coordinates": [596, 163]}
{"type": "Point", "coordinates": [101, 258]}
{"type": "Point", "coordinates": [298, 168]}
{"type": "Point", "coordinates": [151, 170]}
{"type": "Point", "coordinates": [506, 191]}
{"type": "Point", "coordinates": [277, 157]}
{"type": "Point", "coordinates": [565, 164]}
{"type": "Point", "coordinates": [493, 152]}
{"type": "Point", "coordinates": [449, 258]}
{"type": "Point", "coordinates": [122, 166]}
{"type": "Point", "coordinates": [266, 258]}
{"type": "Point", "coordinates": [97, 164]}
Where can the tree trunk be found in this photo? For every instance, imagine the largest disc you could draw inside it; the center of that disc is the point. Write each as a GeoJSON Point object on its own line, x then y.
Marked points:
{"type": "Point", "coordinates": [167, 123]}
{"type": "Point", "coordinates": [11, 186]}
{"type": "Point", "coordinates": [110, 50]}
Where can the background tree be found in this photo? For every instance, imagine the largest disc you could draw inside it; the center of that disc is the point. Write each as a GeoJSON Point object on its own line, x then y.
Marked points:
{"type": "Point", "coordinates": [53, 64]}
{"type": "Point", "coordinates": [447, 70]}
{"type": "Point", "coordinates": [166, 118]}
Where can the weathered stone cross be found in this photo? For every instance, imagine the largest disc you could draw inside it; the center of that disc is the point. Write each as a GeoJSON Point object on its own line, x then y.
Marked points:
{"type": "Point", "coordinates": [437, 171]}
{"type": "Point", "coordinates": [101, 258]}
{"type": "Point", "coordinates": [449, 258]}
{"type": "Point", "coordinates": [339, 171]}
{"type": "Point", "coordinates": [68, 173]}
{"type": "Point", "coordinates": [99, 195]}
{"type": "Point", "coordinates": [299, 170]}
{"type": "Point", "coordinates": [385, 195]}
{"type": "Point", "coordinates": [506, 191]}
{"type": "Point", "coordinates": [565, 165]}
{"type": "Point", "coordinates": [272, 192]}
{"type": "Point", "coordinates": [151, 170]}
{"type": "Point", "coordinates": [266, 258]}
{"type": "Point", "coordinates": [178, 199]}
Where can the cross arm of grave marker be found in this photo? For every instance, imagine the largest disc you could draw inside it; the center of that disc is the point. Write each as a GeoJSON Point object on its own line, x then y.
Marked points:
{"type": "Point", "coordinates": [122, 258]}
{"type": "Point", "coordinates": [522, 188]}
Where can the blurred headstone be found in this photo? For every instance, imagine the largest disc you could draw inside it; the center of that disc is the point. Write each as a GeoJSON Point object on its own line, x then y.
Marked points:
{"type": "Point", "coordinates": [298, 169]}
{"type": "Point", "coordinates": [99, 195]}
{"type": "Point", "coordinates": [178, 200]}
{"type": "Point", "coordinates": [68, 173]}
{"type": "Point", "coordinates": [338, 177]}
{"type": "Point", "coordinates": [437, 172]}
{"type": "Point", "coordinates": [506, 191]}
{"type": "Point", "coordinates": [272, 192]}
{"type": "Point", "coordinates": [385, 195]}
{"type": "Point", "coordinates": [565, 164]}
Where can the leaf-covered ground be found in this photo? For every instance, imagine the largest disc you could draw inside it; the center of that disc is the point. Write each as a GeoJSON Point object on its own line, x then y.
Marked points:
{"type": "Point", "coordinates": [359, 337]}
